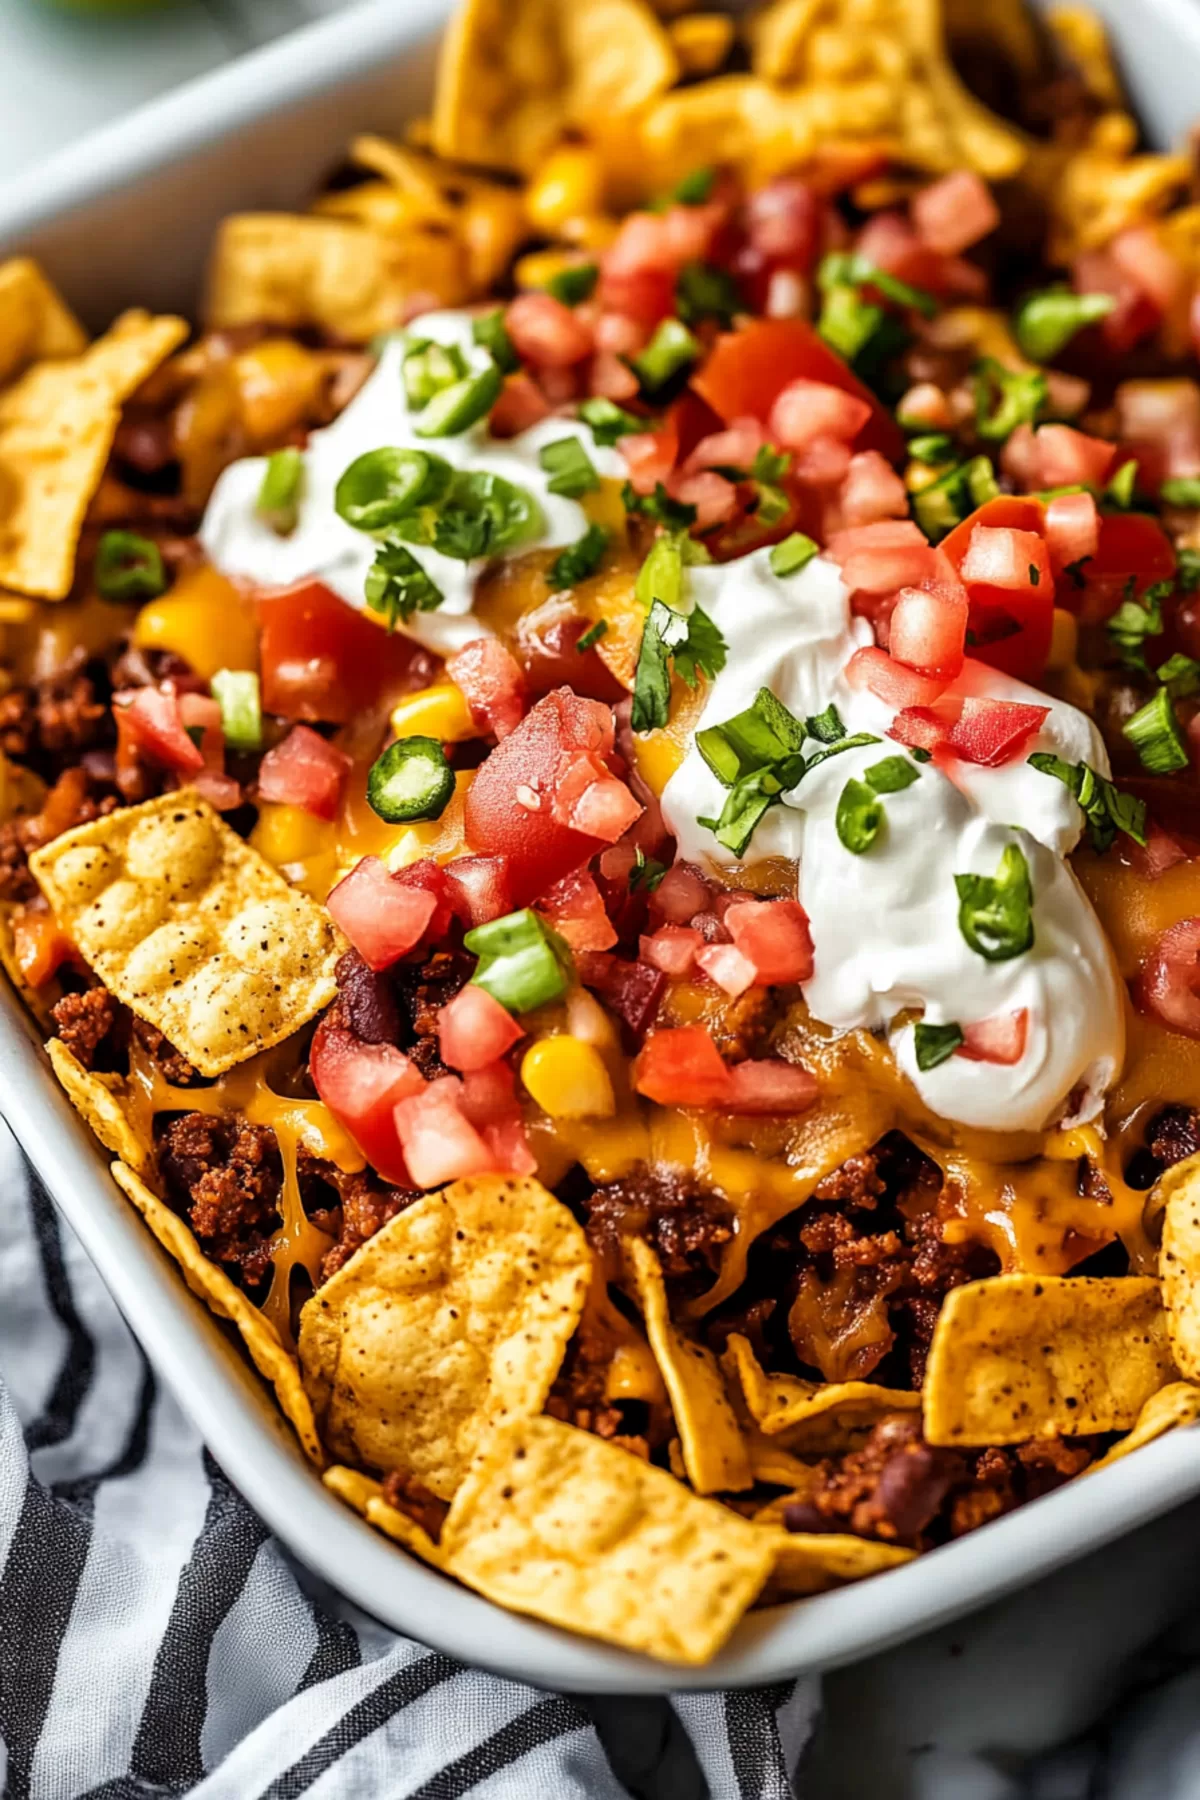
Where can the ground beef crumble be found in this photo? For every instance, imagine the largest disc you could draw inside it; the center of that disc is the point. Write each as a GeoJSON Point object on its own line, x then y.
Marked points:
{"type": "Point", "coordinates": [75, 799]}
{"type": "Point", "coordinates": [407, 1495]}
{"type": "Point", "coordinates": [55, 718]}
{"type": "Point", "coordinates": [97, 1029]}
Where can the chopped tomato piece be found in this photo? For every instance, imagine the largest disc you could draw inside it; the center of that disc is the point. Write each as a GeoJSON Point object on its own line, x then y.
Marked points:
{"type": "Point", "coordinates": [521, 405]}
{"type": "Point", "coordinates": [611, 378]}
{"type": "Point", "coordinates": [474, 1029]}
{"type": "Point", "coordinates": [576, 911]}
{"type": "Point", "coordinates": [1000, 1039]}
{"type": "Point", "coordinates": [955, 212]}
{"type": "Point", "coordinates": [1130, 544]}
{"type": "Point", "coordinates": [383, 918]}
{"type": "Point", "coordinates": [629, 989]}
{"type": "Point", "coordinates": [305, 770]}
{"type": "Point", "coordinates": [489, 1094]}
{"type": "Point", "coordinates": [360, 1084]}
{"type": "Point", "coordinates": [770, 1086]}
{"type": "Point", "coordinates": [682, 1067]}
{"type": "Point", "coordinates": [440, 1144]}
{"type": "Point", "coordinates": [649, 457]}
{"type": "Point", "coordinates": [509, 1147]}
{"type": "Point", "coordinates": [725, 964]}
{"type": "Point", "coordinates": [430, 877]}
{"type": "Point", "coordinates": [991, 732]}
{"type": "Point", "coordinates": [151, 720]}
{"type": "Point", "coordinates": [823, 463]}
{"type": "Point", "coordinates": [681, 893]}
{"type": "Point", "coordinates": [748, 369]}
{"type": "Point", "coordinates": [1161, 851]}
{"type": "Point", "coordinates": [493, 684]}
{"type": "Point", "coordinates": [672, 948]}
{"type": "Point", "coordinates": [920, 727]}
{"type": "Point", "coordinates": [774, 936]}
{"type": "Point", "coordinates": [734, 448]}
{"type": "Point", "coordinates": [928, 628]}
{"type": "Point", "coordinates": [479, 888]}
{"type": "Point", "coordinates": [805, 410]}
{"type": "Point", "coordinates": [714, 498]}
{"type": "Point", "coordinates": [1144, 259]}
{"type": "Point", "coordinates": [322, 659]}
{"type": "Point", "coordinates": [1072, 528]}
{"type": "Point", "coordinates": [1168, 986]}
{"type": "Point", "coordinates": [588, 798]}
{"type": "Point", "coordinates": [1011, 619]}
{"type": "Point", "coordinates": [892, 682]}
{"type": "Point", "coordinates": [783, 222]}
{"type": "Point", "coordinates": [872, 491]}
{"type": "Point", "coordinates": [1066, 456]}
{"type": "Point", "coordinates": [880, 558]}
{"type": "Point", "coordinates": [546, 333]}
{"type": "Point", "coordinates": [998, 557]}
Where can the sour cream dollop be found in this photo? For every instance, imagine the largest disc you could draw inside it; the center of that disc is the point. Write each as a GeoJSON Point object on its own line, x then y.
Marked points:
{"type": "Point", "coordinates": [324, 548]}
{"type": "Point", "coordinates": [885, 923]}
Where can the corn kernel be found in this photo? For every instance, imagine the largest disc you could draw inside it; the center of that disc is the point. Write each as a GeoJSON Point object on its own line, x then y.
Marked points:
{"type": "Point", "coordinates": [702, 41]}
{"type": "Point", "coordinates": [538, 269]}
{"type": "Point", "coordinates": [569, 183]}
{"type": "Point", "coordinates": [278, 385]}
{"type": "Point", "coordinates": [288, 834]}
{"type": "Point", "coordinates": [204, 619]}
{"type": "Point", "coordinates": [568, 1079]}
{"type": "Point", "coordinates": [1064, 640]}
{"type": "Point", "coordinates": [440, 711]}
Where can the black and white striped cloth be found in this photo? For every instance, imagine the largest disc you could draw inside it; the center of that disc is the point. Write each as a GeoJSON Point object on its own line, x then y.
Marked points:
{"type": "Point", "coordinates": [156, 1640]}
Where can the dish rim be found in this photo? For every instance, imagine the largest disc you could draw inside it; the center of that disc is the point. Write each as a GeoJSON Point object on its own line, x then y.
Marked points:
{"type": "Point", "coordinates": [192, 1351]}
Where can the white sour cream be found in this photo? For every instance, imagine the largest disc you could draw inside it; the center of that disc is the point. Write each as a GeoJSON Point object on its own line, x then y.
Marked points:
{"type": "Point", "coordinates": [885, 923]}
{"type": "Point", "coordinates": [323, 547]}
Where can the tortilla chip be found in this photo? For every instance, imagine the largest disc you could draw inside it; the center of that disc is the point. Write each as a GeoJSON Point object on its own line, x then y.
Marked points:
{"type": "Point", "coordinates": [710, 1439]}
{"type": "Point", "coordinates": [1023, 1356]}
{"type": "Point", "coordinates": [191, 928]}
{"type": "Point", "coordinates": [57, 425]}
{"type": "Point", "coordinates": [810, 1562]}
{"type": "Point", "coordinates": [1177, 1194]}
{"type": "Point", "coordinates": [330, 274]}
{"type": "Point", "coordinates": [513, 75]}
{"type": "Point", "coordinates": [1175, 1405]}
{"type": "Point", "coordinates": [557, 1523]}
{"type": "Point", "coordinates": [213, 1286]}
{"type": "Point", "coordinates": [772, 1464]}
{"type": "Point", "coordinates": [701, 41]}
{"type": "Point", "coordinates": [812, 1416]}
{"type": "Point", "coordinates": [366, 1497]}
{"type": "Point", "coordinates": [100, 1102]}
{"type": "Point", "coordinates": [773, 1513]}
{"type": "Point", "coordinates": [450, 1320]}
{"type": "Point", "coordinates": [36, 324]}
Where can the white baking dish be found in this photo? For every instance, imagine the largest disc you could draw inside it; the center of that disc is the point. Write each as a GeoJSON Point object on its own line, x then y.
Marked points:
{"type": "Point", "coordinates": [125, 218]}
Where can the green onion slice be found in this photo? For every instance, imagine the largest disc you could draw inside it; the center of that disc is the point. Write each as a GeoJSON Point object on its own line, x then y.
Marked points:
{"type": "Point", "coordinates": [574, 284]}
{"type": "Point", "coordinates": [1155, 735]}
{"type": "Point", "coordinates": [578, 560]}
{"type": "Point", "coordinates": [236, 692]}
{"type": "Point", "coordinates": [569, 467]}
{"type": "Point", "coordinates": [491, 334]}
{"type": "Point", "coordinates": [1181, 674]}
{"type": "Point", "coordinates": [455, 409]}
{"type": "Point", "coordinates": [792, 555]}
{"type": "Point", "coordinates": [1006, 398]}
{"type": "Point", "coordinates": [661, 574]}
{"type": "Point", "coordinates": [1181, 490]}
{"type": "Point", "coordinates": [610, 421]}
{"type": "Point", "coordinates": [128, 567]}
{"type": "Point", "coordinates": [522, 963]}
{"type": "Point", "coordinates": [995, 912]}
{"type": "Point", "coordinates": [1046, 322]}
{"type": "Point", "coordinates": [670, 350]}
{"type": "Point", "coordinates": [676, 515]}
{"type": "Point", "coordinates": [278, 502]}
{"type": "Point", "coordinates": [1105, 807]}
{"type": "Point", "coordinates": [411, 780]}
{"type": "Point", "coordinates": [935, 1043]}
{"type": "Point", "coordinates": [429, 368]}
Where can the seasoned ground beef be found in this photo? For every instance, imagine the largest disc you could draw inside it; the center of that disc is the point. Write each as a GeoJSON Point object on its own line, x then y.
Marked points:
{"type": "Point", "coordinates": [368, 1005]}
{"type": "Point", "coordinates": [365, 1206]}
{"type": "Point", "coordinates": [900, 1489]}
{"type": "Point", "coordinates": [421, 990]}
{"type": "Point", "coordinates": [1172, 1136]}
{"type": "Point", "coordinates": [407, 1495]}
{"type": "Point", "coordinates": [74, 799]}
{"type": "Point", "coordinates": [54, 718]}
{"type": "Point", "coordinates": [683, 1222]}
{"type": "Point", "coordinates": [578, 1396]}
{"type": "Point", "coordinates": [85, 1021]}
{"type": "Point", "coordinates": [174, 1067]}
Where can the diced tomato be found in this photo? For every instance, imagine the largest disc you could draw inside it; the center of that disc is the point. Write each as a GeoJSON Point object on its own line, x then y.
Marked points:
{"type": "Point", "coordinates": [872, 491]}
{"type": "Point", "coordinates": [638, 270]}
{"type": "Point", "coordinates": [430, 877]}
{"type": "Point", "coordinates": [1072, 528]}
{"type": "Point", "coordinates": [618, 335]}
{"type": "Point", "coordinates": [734, 448]}
{"type": "Point", "coordinates": [489, 1094]}
{"type": "Point", "coordinates": [383, 918]}
{"type": "Point", "coordinates": [1160, 422]}
{"type": "Point", "coordinates": [783, 222]}
{"type": "Point", "coordinates": [823, 463]}
{"type": "Point", "coordinates": [547, 648]}
{"type": "Point", "coordinates": [1067, 456]}
{"type": "Point", "coordinates": [991, 732]}
{"type": "Point", "coordinates": [774, 936]}
{"type": "Point", "coordinates": [589, 798]}
{"type": "Point", "coordinates": [479, 888]}
{"type": "Point", "coordinates": [474, 1029]}
{"type": "Point", "coordinates": [1168, 986]}
{"type": "Point", "coordinates": [725, 964]}
{"type": "Point", "coordinates": [200, 717]}
{"type": "Point", "coordinates": [632, 990]}
{"type": "Point", "coordinates": [1133, 317]}
{"type": "Point", "coordinates": [885, 556]}
{"type": "Point", "coordinates": [322, 659]}
{"type": "Point", "coordinates": [681, 893]}
{"type": "Point", "coordinates": [1144, 259]}
{"type": "Point", "coordinates": [649, 457]}
{"type": "Point", "coordinates": [926, 405]}
{"type": "Point", "coordinates": [920, 727]}
{"type": "Point", "coordinates": [672, 948]}
{"type": "Point", "coordinates": [749, 368]}
{"type": "Point", "coordinates": [440, 1144]}
{"type": "Point", "coordinates": [928, 628]}
{"type": "Point", "coordinates": [1130, 544]}
{"type": "Point", "coordinates": [1011, 619]}
{"type": "Point", "coordinates": [892, 682]}
{"type": "Point", "coordinates": [714, 498]}
{"type": "Point", "coordinates": [997, 557]}
{"type": "Point", "coordinates": [493, 684]}
{"type": "Point", "coordinates": [611, 378]}
{"type": "Point", "coordinates": [575, 909]}
{"type": "Point", "coordinates": [509, 805]}
{"type": "Point", "coordinates": [1000, 1039]}
{"type": "Point", "coordinates": [682, 1067]}
{"type": "Point", "coordinates": [546, 333]}
{"type": "Point", "coordinates": [360, 1084]}
{"type": "Point", "coordinates": [508, 1147]}
{"type": "Point", "coordinates": [805, 410]}
{"type": "Point", "coordinates": [305, 770]}
{"type": "Point", "coordinates": [521, 405]}
{"type": "Point", "coordinates": [151, 719]}
{"type": "Point", "coordinates": [955, 212]}
{"type": "Point", "coordinates": [770, 1086]}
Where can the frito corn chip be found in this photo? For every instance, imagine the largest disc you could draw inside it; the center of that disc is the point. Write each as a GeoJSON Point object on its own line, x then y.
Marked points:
{"type": "Point", "coordinates": [1107, 186]}
{"type": "Point", "coordinates": [36, 324]}
{"type": "Point", "coordinates": [513, 77]}
{"type": "Point", "coordinates": [1178, 1193]}
{"type": "Point", "coordinates": [557, 1523]}
{"type": "Point", "coordinates": [100, 1100]}
{"type": "Point", "coordinates": [701, 41]}
{"type": "Point", "coordinates": [1080, 33]}
{"type": "Point", "coordinates": [772, 1464]}
{"type": "Point", "coordinates": [714, 1452]}
{"type": "Point", "coordinates": [810, 1415]}
{"type": "Point", "coordinates": [1022, 1356]}
{"type": "Point", "coordinates": [191, 928]}
{"type": "Point", "coordinates": [486, 218]}
{"type": "Point", "coordinates": [366, 1497]}
{"type": "Point", "coordinates": [329, 273]}
{"type": "Point", "coordinates": [57, 424]}
{"type": "Point", "coordinates": [1175, 1405]}
{"type": "Point", "coordinates": [214, 1287]}
{"type": "Point", "coordinates": [450, 1320]}
{"type": "Point", "coordinates": [810, 1562]}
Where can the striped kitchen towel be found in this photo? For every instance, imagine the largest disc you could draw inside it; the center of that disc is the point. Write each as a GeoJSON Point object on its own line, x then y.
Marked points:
{"type": "Point", "coordinates": [155, 1639]}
